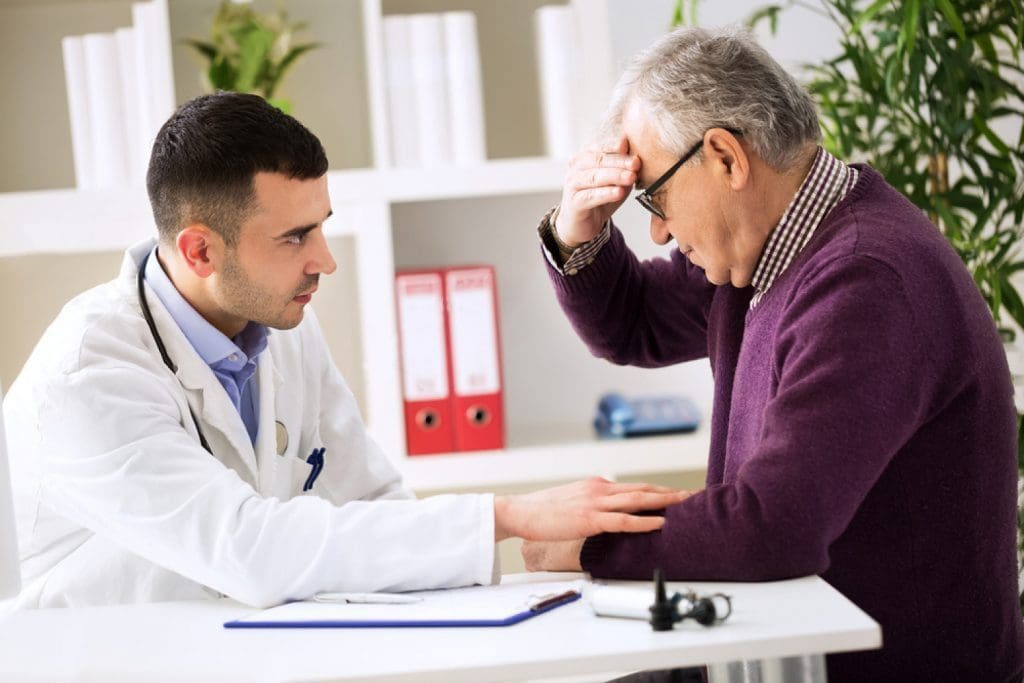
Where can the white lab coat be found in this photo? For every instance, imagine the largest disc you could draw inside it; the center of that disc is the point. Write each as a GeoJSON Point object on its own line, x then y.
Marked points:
{"type": "Point", "coordinates": [116, 501]}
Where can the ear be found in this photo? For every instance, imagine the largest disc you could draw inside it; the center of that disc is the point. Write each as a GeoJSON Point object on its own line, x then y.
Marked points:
{"type": "Point", "coordinates": [200, 249]}
{"type": "Point", "coordinates": [729, 158]}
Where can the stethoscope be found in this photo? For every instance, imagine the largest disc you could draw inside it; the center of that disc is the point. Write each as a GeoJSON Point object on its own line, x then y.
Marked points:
{"type": "Point", "coordinates": [148, 315]}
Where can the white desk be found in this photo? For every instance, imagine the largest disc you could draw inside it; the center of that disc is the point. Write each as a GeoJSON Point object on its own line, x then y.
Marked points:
{"type": "Point", "coordinates": [185, 641]}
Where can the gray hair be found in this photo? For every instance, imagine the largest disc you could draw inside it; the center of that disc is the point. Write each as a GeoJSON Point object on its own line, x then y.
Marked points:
{"type": "Point", "coordinates": [694, 79]}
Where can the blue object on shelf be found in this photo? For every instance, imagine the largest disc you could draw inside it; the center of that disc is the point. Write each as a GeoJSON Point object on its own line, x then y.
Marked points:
{"type": "Point", "coordinates": [619, 417]}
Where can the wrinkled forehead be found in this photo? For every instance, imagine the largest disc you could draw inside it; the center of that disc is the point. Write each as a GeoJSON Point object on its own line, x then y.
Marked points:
{"type": "Point", "coordinates": [644, 142]}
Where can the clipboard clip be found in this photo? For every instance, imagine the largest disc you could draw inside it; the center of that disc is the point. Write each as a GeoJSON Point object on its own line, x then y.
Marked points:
{"type": "Point", "coordinates": [546, 602]}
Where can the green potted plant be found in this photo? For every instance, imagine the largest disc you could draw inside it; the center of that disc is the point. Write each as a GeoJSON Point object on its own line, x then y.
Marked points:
{"type": "Point", "coordinates": [920, 91]}
{"type": "Point", "coordinates": [249, 51]}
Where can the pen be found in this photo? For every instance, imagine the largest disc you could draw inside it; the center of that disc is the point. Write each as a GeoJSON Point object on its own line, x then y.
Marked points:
{"type": "Point", "coordinates": [567, 596]}
{"type": "Point", "coordinates": [368, 598]}
{"type": "Point", "coordinates": [316, 460]}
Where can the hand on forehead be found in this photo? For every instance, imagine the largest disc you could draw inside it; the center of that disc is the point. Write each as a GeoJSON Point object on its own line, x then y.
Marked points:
{"type": "Point", "coordinates": [613, 153]}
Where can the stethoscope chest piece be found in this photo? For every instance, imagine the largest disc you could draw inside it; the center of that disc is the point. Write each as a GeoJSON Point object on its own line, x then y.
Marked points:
{"type": "Point", "coordinates": [282, 437]}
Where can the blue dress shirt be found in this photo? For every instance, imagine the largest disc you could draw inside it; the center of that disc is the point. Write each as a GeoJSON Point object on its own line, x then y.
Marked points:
{"type": "Point", "coordinates": [233, 361]}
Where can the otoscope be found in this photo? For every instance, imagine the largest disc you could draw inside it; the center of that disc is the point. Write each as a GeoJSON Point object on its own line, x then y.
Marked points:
{"type": "Point", "coordinates": [667, 612]}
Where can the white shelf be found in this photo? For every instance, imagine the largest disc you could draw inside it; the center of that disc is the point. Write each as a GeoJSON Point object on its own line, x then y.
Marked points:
{"type": "Point", "coordinates": [114, 219]}
{"type": "Point", "coordinates": [498, 177]}
{"type": "Point", "coordinates": [73, 221]}
{"type": "Point", "coordinates": [550, 458]}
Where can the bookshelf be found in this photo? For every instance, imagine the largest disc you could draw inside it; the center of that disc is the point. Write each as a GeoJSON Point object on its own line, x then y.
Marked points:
{"type": "Point", "coordinates": [387, 219]}
{"type": "Point", "coordinates": [578, 455]}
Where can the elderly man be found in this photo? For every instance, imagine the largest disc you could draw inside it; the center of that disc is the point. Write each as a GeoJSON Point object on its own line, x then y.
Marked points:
{"type": "Point", "coordinates": [863, 425]}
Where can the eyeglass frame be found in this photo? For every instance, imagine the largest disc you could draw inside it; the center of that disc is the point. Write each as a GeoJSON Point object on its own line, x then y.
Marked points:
{"type": "Point", "coordinates": [646, 197]}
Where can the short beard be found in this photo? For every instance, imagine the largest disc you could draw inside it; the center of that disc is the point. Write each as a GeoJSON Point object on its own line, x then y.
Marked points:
{"type": "Point", "coordinates": [243, 298]}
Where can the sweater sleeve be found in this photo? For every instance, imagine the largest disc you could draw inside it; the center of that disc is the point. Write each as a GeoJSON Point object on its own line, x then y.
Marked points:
{"type": "Point", "coordinates": [650, 314]}
{"type": "Point", "coordinates": [851, 385]}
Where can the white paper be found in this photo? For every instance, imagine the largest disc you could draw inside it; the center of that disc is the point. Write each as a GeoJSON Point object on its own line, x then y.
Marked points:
{"type": "Point", "coordinates": [106, 110]}
{"type": "Point", "coordinates": [78, 109]}
{"type": "Point", "coordinates": [556, 60]}
{"type": "Point", "coordinates": [10, 571]}
{"type": "Point", "coordinates": [422, 335]}
{"type": "Point", "coordinates": [473, 328]}
{"type": "Point", "coordinates": [465, 91]}
{"type": "Point", "coordinates": [402, 106]}
{"type": "Point", "coordinates": [426, 36]}
{"type": "Point", "coordinates": [474, 603]}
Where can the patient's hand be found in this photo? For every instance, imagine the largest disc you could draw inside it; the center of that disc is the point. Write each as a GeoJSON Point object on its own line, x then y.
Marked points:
{"type": "Point", "coordinates": [598, 181]}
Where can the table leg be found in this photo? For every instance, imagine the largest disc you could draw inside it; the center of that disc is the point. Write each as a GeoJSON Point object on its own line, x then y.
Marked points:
{"type": "Point", "coordinates": [805, 669]}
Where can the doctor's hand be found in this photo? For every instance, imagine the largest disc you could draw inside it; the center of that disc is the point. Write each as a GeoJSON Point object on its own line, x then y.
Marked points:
{"type": "Point", "coordinates": [582, 509]}
{"type": "Point", "coordinates": [552, 556]}
{"type": "Point", "coordinates": [598, 181]}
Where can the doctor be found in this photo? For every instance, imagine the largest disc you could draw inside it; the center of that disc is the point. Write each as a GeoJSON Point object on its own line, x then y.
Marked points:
{"type": "Point", "coordinates": [181, 432]}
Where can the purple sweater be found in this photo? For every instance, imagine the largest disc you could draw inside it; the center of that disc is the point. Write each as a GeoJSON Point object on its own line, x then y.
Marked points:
{"type": "Point", "coordinates": [863, 430]}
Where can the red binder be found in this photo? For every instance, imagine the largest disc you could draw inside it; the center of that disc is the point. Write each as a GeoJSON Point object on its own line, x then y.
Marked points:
{"type": "Point", "coordinates": [474, 354]}
{"type": "Point", "coordinates": [425, 374]}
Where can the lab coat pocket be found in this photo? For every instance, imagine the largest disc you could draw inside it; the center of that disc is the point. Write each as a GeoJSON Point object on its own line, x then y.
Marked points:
{"type": "Point", "coordinates": [293, 474]}
{"type": "Point", "coordinates": [306, 464]}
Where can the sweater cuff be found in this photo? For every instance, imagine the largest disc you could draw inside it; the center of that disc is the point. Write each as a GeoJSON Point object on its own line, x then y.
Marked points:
{"type": "Point", "coordinates": [600, 268]}
{"type": "Point", "coordinates": [593, 552]}
{"type": "Point", "coordinates": [564, 259]}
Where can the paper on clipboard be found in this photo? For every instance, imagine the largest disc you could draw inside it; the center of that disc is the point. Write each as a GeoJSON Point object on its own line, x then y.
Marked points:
{"type": "Point", "coordinates": [501, 605]}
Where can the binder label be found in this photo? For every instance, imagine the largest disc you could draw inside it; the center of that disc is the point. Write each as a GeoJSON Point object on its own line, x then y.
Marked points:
{"type": "Point", "coordinates": [473, 336]}
{"type": "Point", "coordinates": [421, 311]}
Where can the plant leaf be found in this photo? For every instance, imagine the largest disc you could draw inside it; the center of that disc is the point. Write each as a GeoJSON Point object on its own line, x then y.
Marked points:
{"type": "Point", "coordinates": [254, 46]}
{"type": "Point", "coordinates": [677, 15]}
{"type": "Point", "coordinates": [277, 73]}
{"type": "Point", "coordinates": [769, 12]}
{"type": "Point", "coordinates": [867, 15]}
{"type": "Point", "coordinates": [946, 7]}
{"type": "Point", "coordinates": [207, 50]}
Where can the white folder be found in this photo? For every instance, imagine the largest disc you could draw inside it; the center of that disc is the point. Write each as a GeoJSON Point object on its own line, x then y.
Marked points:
{"type": "Point", "coordinates": [106, 110]}
{"type": "Point", "coordinates": [426, 36]}
{"type": "Point", "coordinates": [78, 109]}
{"type": "Point", "coordinates": [556, 59]}
{"type": "Point", "coordinates": [465, 91]}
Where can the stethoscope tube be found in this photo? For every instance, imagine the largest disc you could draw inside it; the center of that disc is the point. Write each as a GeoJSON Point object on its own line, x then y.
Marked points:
{"type": "Point", "coordinates": [148, 315]}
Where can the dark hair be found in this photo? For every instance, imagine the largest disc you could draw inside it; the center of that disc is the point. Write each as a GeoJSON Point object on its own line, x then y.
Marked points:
{"type": "Point", "coordinates": [206, 155]}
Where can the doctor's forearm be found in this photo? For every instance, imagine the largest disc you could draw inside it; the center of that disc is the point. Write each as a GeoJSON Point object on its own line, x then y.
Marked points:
{"type": "Point", "coordinates": [501, 519]}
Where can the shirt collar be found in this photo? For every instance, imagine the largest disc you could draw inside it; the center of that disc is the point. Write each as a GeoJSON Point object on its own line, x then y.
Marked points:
{"type": "Point", "coordinates": [210, 343]}
{"type": "Point", "coordinates": [826, 183]}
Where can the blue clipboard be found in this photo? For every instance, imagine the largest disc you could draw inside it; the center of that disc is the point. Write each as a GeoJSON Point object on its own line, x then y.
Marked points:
{"type": "Point", "coordinates": [480, 606]}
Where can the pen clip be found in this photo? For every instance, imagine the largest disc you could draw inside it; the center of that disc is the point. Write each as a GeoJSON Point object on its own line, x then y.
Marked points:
{"type": "Point", "coordinates": [547, 602]}
{"type": "Point", "coordinates": [316, 462]}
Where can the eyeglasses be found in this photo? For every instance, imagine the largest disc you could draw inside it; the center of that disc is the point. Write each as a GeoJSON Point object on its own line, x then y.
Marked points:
{"type": "Point", "coordinates": [646, 198]}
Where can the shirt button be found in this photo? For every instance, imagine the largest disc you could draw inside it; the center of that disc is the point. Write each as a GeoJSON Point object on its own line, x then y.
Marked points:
{"type": "Point", "coordinates": [233, 356]}
{"type": "Point", "coordinates": [573, 271]}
